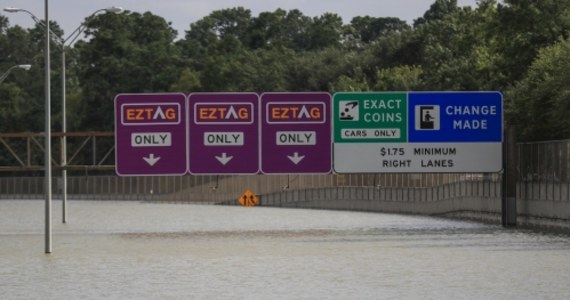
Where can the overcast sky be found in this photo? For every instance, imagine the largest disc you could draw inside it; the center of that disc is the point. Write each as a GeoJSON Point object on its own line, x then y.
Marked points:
{"type": "Point", "coordinates": [181, 13]}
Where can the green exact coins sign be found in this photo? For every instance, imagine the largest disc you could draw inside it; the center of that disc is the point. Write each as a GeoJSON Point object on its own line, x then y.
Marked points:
{"type": "Point", "coordinates": [370, 117]}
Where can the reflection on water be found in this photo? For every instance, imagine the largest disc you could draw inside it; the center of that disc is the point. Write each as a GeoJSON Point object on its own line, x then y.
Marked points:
{"type": "Point", "coordinates": [129, 250]}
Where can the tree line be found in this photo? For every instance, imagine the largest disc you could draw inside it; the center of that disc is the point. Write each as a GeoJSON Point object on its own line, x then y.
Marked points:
{"type": "Point", "coordinates": [518, 47]}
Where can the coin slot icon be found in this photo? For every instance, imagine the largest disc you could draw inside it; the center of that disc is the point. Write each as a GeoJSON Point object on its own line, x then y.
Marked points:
{"type": "Point", "coordinates": [349, 110]}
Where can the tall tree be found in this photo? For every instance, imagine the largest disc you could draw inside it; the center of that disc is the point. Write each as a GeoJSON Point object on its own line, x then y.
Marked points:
{"type": "Point", "coordinates": [437, 11]}
{"type": "Point", "coordinates": [126, 53]}
{"type": "Point", "coordinates": [280, 29]}
{"type": "Point", "coordinates": [22, 93]}
{"type": "Point", "coordinates": [456, 52]}
{"type": "Point", "coordinates": [370, 29]}
{"type": "Point", "coordinates": [525, 26]}
{"type": "Point", "coordinates": [210, 33]}
{"type": "Point", "coordinates": [326, 31]}
{"type": "Point", "coordinates": [539, 104]}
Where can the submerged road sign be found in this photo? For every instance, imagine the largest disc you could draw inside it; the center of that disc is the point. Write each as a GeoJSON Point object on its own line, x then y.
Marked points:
{"type": "Point", "coordinates": [418, 132]}
{"type": "Point", "coordinates": [248, 198]}
{"type": "Point", "coordinates": [295, 133]}
{"type": "Point", "coordinates": [224, 133]}
{"type": "Point", "coordinates": [150, 134]}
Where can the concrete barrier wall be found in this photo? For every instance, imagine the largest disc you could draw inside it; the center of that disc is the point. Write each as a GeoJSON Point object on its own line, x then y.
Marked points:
{"type": "Point", "coordinates": [467, 199]}
{"type": "Point", "coordinates": [476, 196]}
{"type": "Point", "coordinates": [543, 203]}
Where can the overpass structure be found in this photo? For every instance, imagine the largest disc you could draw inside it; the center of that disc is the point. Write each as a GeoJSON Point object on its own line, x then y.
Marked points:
{"type": "Point", "coordinates": [87, 151]}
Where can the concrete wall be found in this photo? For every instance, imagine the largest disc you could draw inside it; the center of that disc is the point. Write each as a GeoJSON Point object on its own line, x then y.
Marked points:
{"type": "Point", "coordinates": [476, 200]}
{"type": "Point", "coordinates": [467, 200]}
{"type": "Point", "coordinates": [546, 204]}
{"type": "Point", "coordinates": [474, 196]}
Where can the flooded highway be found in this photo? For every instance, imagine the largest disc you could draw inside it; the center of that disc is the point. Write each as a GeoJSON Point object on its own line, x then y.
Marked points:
{"type": "Point", "coordinates": [134, 250]}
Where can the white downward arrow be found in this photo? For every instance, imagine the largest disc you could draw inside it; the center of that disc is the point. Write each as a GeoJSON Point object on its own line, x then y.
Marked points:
{"type": "Point", "coordinates": [224, 159]}
{"type": "Point", "coordinates": [151, 160]}
{"type": "Point", "coordinates": [295, 158]}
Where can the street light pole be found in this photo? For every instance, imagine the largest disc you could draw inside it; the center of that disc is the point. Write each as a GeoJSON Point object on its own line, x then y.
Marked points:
{"type": "Point", "coordinates": [72, 37]}
{"type": "Point", "coordinates": [36, 19]}
{"type": "Point", "coordinates": [62, 43]}
{"type": "Point", "coordinates": [63, 140]}
{"type": "Point", "coordinates": [5, 75]}
{"type": "Point", "coordinates": [47, 189]}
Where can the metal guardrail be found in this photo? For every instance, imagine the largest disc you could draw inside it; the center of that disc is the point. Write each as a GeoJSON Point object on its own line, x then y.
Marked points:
{"type": "Point", "coordinates": [543, 174]}
{"type": "Point", "coordinates": [544, 171]}
{"type": "Point", "coordinates": [223, 188]}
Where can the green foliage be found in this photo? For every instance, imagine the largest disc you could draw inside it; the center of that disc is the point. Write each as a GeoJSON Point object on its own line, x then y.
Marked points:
{"type": "Point", "coordinates": [188, 82]}
{"type": "Point", "coordinates": [508, 45]}
{"type": "Point", "coordinates": [540, 104]}
{"type": "Point", "coordinates": [369, 29]}
{"type": "Point", "coordinates": [22, 92]}
{"type": "Point", "coordinates": [320, 70]}
{"type": "Point", "coordinates": [279, 29]}
{"type": "Point", "coordinates": [439, 10]}
{"type": "Point", "coordinates": [248, 71]}
{"type": "Point", "coordinates": [127, 53]}
{"type": "Point", "coordinates": [403, 78]}
{"type": "Point", "coordinates": [325, 32]}
{"type": "Point", "coordinates": [217, 30]}
{"type": "Point", "coordinates": [457, 53]}
{"type": "Point", "coordinates": [349, 84]}
{"type": "Point", "coordinates": [523, 27]}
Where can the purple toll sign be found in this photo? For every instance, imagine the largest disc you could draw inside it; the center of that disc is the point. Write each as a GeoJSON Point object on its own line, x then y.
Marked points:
{"type": "Point", "coordinates": [224, 133]}
{"type": "Point", "coordinates": [150, 134]}
{"type": "Point", "coordinates": [296, 133]}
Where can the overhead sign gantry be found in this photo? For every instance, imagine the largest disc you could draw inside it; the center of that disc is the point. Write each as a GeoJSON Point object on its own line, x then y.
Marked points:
{"type": "Point", "coordinates": [292, 133]}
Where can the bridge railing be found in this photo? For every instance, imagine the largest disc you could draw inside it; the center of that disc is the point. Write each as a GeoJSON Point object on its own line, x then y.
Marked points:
{"type": "Point", "coordinates": [543, 174]}
{"type": "Point", "coordinates": [544, 171]}
{"type": "Point", "coordinates": [223, 188]}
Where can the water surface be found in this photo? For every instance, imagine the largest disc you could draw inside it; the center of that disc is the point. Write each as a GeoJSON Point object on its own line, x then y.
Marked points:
{"type": "Point", "coordinates": [133, 250]}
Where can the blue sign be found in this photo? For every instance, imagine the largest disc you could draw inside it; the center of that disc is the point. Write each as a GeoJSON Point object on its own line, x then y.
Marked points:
{"type": "Point", "coordinates": [455, 117]}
